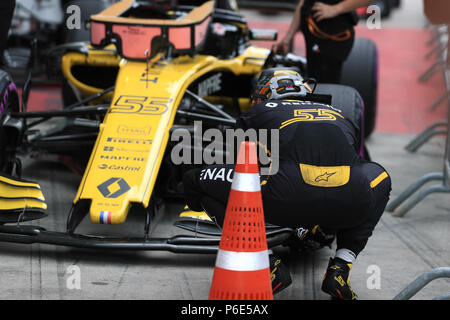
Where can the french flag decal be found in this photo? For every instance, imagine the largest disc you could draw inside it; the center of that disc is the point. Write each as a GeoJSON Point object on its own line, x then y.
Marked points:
{"type": "Point", "coordinates": [105, 217]}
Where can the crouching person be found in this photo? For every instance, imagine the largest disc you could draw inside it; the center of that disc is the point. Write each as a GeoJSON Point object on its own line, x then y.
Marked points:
{"type": "Point", "coordinates": [322, 180]}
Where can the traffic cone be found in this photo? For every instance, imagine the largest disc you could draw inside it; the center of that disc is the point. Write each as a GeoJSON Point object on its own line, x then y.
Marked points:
{"type": "Point", "coordinates": [242, 265]}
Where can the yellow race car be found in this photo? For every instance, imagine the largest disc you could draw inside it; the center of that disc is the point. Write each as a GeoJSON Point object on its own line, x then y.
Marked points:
{"type": "Point", "coordinates": [150, 68]}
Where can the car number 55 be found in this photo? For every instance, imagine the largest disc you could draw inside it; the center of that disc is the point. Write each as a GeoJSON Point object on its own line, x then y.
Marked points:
{"type": "Point", "coordinates": [141, 105]}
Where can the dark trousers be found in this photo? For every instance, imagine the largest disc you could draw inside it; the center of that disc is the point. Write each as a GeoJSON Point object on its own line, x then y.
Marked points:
{"type": "Point", "coordinates": [322, 68]}
{"type": "Point", "coordinates": [353, 210]}
{"type": "Point", "coordinates": [325, 58]}
{"type": "Point", "coordinates": [6, 13]}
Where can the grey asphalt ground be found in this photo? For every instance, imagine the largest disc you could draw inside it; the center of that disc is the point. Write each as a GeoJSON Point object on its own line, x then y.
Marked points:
{"type": "Point", "coordinates": [400, 249]}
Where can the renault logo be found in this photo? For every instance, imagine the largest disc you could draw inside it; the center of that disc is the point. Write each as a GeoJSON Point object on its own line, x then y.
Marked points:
{"type": "Point", "coordinates": [113, 188]}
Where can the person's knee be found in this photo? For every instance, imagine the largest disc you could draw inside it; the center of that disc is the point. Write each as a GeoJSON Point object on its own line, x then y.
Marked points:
{"type": "Point", "coordinates": [374, 177]}
{"type": "Point", "coordinates": [379, 180]}
{"type": "Point", "coordinates": [374, 185]}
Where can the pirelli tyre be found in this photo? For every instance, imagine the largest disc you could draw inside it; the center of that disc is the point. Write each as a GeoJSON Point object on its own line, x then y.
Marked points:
{"type": "Point", "coordinates": [10, 128]}
{"type": "Point", "coordinates": [360, 71]}
{"type": "Point", "coordinates": [344, 98]}
{"type": "Point", "coordinates": [349, 101]}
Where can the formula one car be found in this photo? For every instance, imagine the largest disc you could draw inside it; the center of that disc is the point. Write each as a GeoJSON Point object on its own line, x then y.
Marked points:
{"type": "Point", "coordinates": [151, 67]}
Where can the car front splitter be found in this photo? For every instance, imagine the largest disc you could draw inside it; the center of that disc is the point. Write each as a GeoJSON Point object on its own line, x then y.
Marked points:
{"type": "Point", "coordinates": [29, 234]}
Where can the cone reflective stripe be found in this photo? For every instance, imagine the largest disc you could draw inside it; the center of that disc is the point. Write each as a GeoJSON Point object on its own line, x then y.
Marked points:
{"type": "Point", "coordinates": [242, 261]}
{"type": "Point", "coordinates": [246, 182]}
{"type": "Point", "coordinates": [242, 265]}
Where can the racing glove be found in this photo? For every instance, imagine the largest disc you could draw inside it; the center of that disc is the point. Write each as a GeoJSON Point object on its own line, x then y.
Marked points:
{"type": "Point", "coordinates": [310, 239]}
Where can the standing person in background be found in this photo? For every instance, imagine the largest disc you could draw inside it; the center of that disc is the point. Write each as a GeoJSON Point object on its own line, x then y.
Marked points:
{"type": "Point", "coordinates": [6, 14]}
{"type": "Point", "coordinates": [437, 13]}
{"type": "Point", "coordinates": [327, 26]}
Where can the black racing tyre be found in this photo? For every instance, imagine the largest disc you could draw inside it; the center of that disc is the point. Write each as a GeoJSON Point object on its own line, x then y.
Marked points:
{"type": "Point", "coordinates": [349, 101]}
{"type": "Point", "coordinates": [360, 71]}
{"type": "Point", "coordinates": [9, 136]}
{"type": "Point", "coordinates": [346, 99]}
{"type": "Point", "coordinates": [87, 8]}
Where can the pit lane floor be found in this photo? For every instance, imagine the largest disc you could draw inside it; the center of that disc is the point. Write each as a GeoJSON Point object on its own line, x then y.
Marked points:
{"type": "Point", "coordinates": [400, 250]}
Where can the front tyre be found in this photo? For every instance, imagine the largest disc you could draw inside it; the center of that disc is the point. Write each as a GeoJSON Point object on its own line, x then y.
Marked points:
{"type": "Point", "coordinates": [360, 71]}
{"type": "Point", "coordinates": [10, 128]}
{"type": "Point", "coordinates": [349, 101]}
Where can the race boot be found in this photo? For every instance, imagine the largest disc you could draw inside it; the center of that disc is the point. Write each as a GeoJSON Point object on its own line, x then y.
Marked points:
{"type": "Point", "coordinates": [336, 281]}
{"type": "Point", "coordinates": [279, 274]}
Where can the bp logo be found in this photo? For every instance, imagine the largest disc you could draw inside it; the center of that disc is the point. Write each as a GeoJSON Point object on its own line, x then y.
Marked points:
{"type": "Point", "coordinates": [113, 188]}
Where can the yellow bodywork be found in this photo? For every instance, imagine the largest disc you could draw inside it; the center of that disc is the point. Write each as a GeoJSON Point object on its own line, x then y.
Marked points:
{"type": "Point", "coordinates": [21, 194]}
{"type": "Point", "coordinates": [95, 58]}
{"type": "Point", "coordinates": [132, 139]}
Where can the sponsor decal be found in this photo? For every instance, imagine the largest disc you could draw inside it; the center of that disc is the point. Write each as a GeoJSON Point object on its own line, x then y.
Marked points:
{"type": "Point", "coordinates": [146, 75]}
{"type": "Point", "coordinates": [215, 174]}
{"type": "Point", "coordinates": [210, 85]}
{"type": "Point", "coordinates": [271, 104]}
{"type": "Point", "coordinates": [134, 131]}
{"type": "Point", "coordinates": [119, 149]}
{"type": "Point", "coordinates": [113, 187]}
{"type": "Point", "coordinates": [105, 166]}
{"type": "Point", "coordinates": [324, 177]}
{"type": "Point", "coordinates": [124, 158]}
{"type": "Point", "coordinates": [129, 141]}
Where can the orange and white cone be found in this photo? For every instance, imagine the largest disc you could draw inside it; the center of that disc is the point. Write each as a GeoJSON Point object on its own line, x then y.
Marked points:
{"type": "Point", "coordinates": [242, 270]}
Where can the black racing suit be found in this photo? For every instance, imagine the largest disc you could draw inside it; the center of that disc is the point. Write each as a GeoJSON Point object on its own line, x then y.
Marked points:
{"type": "Point", "coordinates": [6, 13]}
{"type": "Point", "coordinates": [326, 56]}
{"type": "Point", "coordinates": [321, 178]}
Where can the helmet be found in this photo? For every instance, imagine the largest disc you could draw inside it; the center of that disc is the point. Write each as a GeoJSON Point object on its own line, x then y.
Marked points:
{"type": "Point", "coordinates": [279, 83]}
